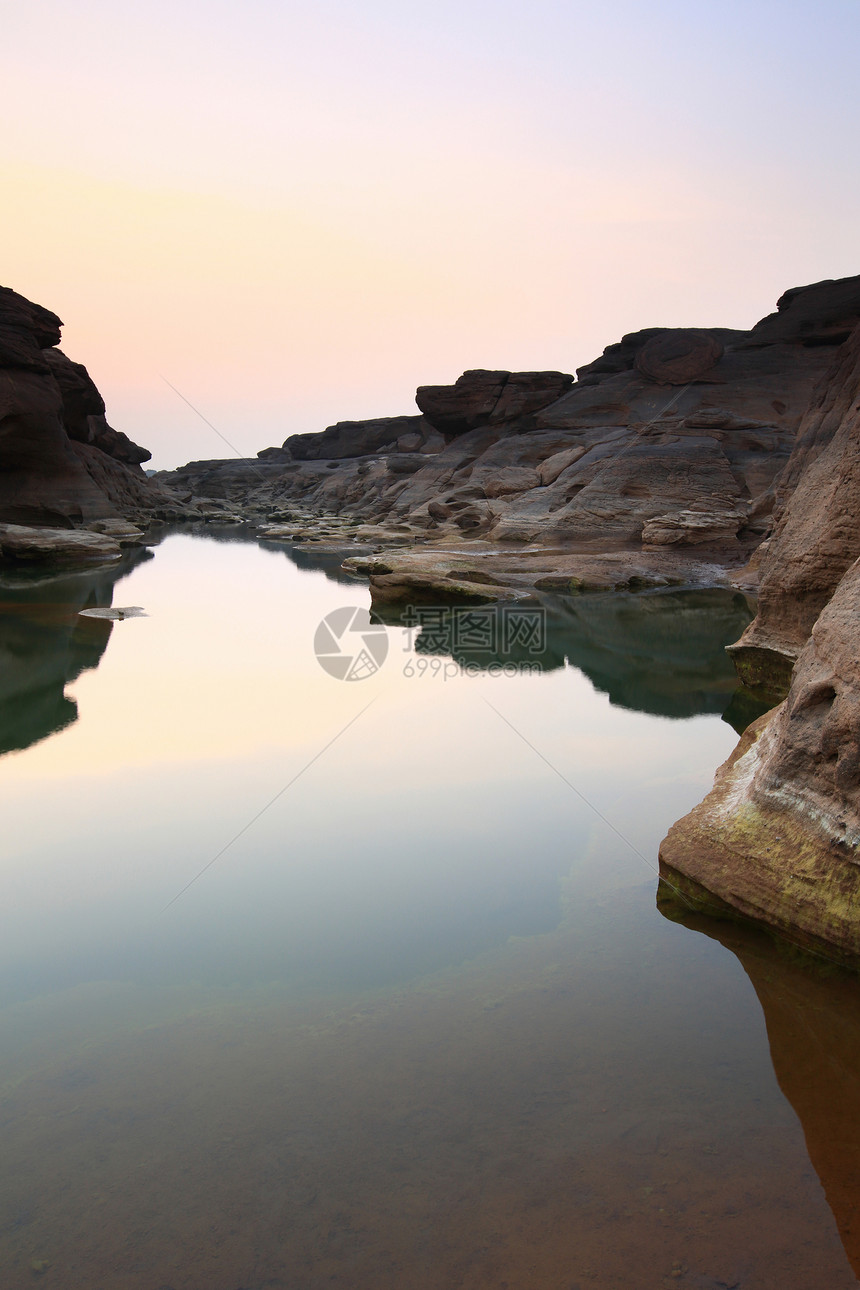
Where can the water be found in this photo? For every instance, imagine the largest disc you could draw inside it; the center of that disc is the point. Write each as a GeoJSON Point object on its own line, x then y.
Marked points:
{"type": "Point", "coordinates": [301, 992]}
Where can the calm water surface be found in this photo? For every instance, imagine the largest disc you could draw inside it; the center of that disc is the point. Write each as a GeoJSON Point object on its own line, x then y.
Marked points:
{"type": "Point", "coordinates": [309, 983]}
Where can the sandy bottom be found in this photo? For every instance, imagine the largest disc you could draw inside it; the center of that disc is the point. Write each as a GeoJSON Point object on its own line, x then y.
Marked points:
{"type": "Point", "coordinates": [508, 1124]}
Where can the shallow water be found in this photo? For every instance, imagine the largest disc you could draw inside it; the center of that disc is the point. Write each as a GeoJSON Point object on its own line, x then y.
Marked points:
{"type": "Point", "coordinates": [301, 992]}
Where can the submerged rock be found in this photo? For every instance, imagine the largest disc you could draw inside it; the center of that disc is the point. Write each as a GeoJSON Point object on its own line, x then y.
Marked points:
{"type": "Point", "coordinates": [114, 615]}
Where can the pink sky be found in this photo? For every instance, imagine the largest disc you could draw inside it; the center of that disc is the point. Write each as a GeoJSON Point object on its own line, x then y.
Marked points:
{"type": "Point", "coordinates": [298, 213]}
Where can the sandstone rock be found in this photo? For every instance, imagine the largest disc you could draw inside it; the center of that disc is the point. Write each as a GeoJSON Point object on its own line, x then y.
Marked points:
{"type": "Point", "coordinates": [692, 528]}
{"type": "Point", "coordinates": [824, 313]}
{"type": "Point", "coordinates": [591, 468]}
{"type": "Point", "coordinates": [42, 480]}
{"type": "Point", "coordinates": [275, 455]}
{"type": "Point", "coordinates": [26, 329]}
{"type": "Point", "coordinates": [354, 438]}
{"type": "Point", "coordinates": [678, 356]}
{"type": "Point", "coordinates": [548, 471]}
{"type": "Point", "coordinates": [60, 461]}
{"type": "Point", "coordinates": [619, 357]}
{"type": "Point", "coordinates": [120, 530]}
{"type": "Point", "coordinates": [818, 533]}
{"type": "Point", "coordinates": [57, 546]}
{"type": "Point", "coordinates": [778, 838]}
{"type": "Point", "coordinates": [482, 398]}
{"type": "Point", "coordinates": [404, 464]}
{"type": "Point", "coordinates": [511, 479]}
{"type": "Point", "coordinates": [84, 409]}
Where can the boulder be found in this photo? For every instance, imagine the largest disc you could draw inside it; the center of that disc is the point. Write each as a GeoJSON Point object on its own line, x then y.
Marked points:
{"type": "Point", "coordinates": [57, 546]}
{"type": "Point", "coordinates": [355, 438]}
{"type": "Point", "coordinates": [679, 355]}
{"type": "Point", "coordinates": [549, 470]}
{"type": "Point", "coordinates": [404, 463]}
{"type": "Point", "coordinates": [483, 398]}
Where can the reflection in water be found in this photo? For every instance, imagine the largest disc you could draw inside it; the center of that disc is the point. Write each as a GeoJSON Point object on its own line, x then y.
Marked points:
{"type": "Point", "coordinates": [44, 645]}
{"type": "Point", "coordinates": [661, 651]}
{"type": "Point", "coordinates": [421, 1025]}
{"type": "Point", "coordinates": [812, 1013]}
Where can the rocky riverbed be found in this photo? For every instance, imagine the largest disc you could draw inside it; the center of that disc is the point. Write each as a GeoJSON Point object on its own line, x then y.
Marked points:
{"type": "Point", "coordinates": [694, 456]}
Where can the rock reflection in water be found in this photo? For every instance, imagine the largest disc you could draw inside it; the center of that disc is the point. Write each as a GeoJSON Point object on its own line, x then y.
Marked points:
{"type": "Point", "coordinates": [812, 1013]}
{"type": "Point", "coordinates": [660, 651]}
{"type": "Point", "coordinates": [44, 645]}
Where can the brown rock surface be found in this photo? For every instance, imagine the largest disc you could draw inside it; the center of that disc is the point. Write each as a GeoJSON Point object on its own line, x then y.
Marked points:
{"type": "Point", "coordinates": [822, 313]}
{"type": "Point", "coordinates": [484, 398]}
{"type": "Point", "coordinates": [357, 438]}
{"type": "Point", "coordinates": [778, 838]}
{"type": "Point", "coordinates": [818, 531]}
{"type": "Point", "coordinates": [56, 546]}
{"type": "Point", "coordinates": [608, 464]}
{"type": "Point", "coordinates": [26, 330]}
{"type": "Point", "coordinates": [60, 462]}
{"type": "Point", "coordinates": [678, 356]}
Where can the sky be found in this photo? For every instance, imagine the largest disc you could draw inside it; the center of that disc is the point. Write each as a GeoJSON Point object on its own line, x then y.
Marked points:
{"type": "Point", "coordinates": [297, 213]}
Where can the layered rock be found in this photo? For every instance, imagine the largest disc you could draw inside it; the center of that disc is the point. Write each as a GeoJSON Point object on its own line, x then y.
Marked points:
{"type": "Point", "coordinates": [483, 398]}
{"type": "Point", "coordinates": [673, 439]}
{"type": "Point", "coordinates": [61, 463]}
{"type": "Point", "coordinates": [817, 535]}
{"type": "Point", "coordinates": [778, 838]}
{"type": "Point", "coordinates": [361, 438]}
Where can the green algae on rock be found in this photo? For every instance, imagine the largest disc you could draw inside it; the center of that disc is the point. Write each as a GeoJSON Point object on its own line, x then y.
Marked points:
{"type": "Point", "coordinates": [778, 838]}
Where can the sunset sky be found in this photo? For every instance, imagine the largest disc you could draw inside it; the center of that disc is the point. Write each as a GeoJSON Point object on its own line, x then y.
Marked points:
{"type": "Point", "coordinates": [296, 213]}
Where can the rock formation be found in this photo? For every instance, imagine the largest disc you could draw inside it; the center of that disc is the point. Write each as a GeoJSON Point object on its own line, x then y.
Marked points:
{"type": "Point", "coordinates": [61, 464]}
{"type": "Point", "coordinates": [665, 455]}
{"type": "Point", "coordinates": [817, 534]}
{"type": "Point", "coordinates": [778, 838]}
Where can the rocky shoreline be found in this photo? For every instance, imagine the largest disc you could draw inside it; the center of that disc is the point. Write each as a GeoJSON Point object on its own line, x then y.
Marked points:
{"type": "Point", "coordinates": [691, 457]}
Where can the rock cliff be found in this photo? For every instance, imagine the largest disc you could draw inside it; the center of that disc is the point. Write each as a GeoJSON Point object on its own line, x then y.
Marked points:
{"type": "Point", "coordinates": [817, 532]}
{"type": "Point", "coordinates": [664, 457]}
{"type": "Point", "coordinates": [778, 838]}
{"type": "Point", "coordinates": [61, 464]}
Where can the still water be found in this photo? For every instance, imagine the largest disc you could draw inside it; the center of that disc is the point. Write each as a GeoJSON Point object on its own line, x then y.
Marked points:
{"type": "Point", "coordinates": [307, 983]}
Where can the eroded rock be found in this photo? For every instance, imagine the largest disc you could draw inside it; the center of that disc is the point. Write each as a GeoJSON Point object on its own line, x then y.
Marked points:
{"type": "Point", "coordinates": [679, 355]}
{"type": "Point", "coordinates": [778, 838]}
{"type": "Point", "coordinates": [57, 546]}
{"type": "Point", "coordinates": [817, 535]}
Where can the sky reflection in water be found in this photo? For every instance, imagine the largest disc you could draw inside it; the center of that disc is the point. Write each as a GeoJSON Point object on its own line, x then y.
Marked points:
{"type": "Point", "coordinates": [428, 934]}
